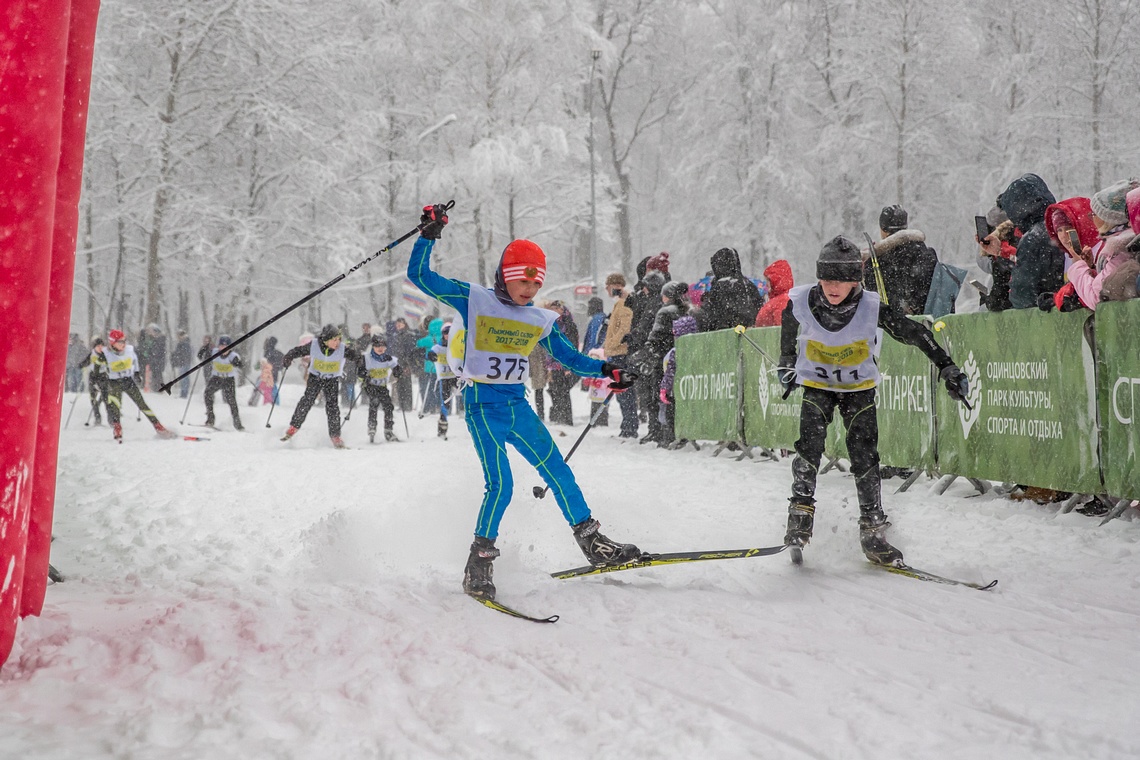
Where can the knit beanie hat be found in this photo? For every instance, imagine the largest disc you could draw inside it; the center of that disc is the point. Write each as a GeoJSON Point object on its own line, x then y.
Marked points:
{"type": "Point", "coordinates": [658, 263]}
{"type": "Point", "coordinates": [893, 219]}
{"type": "Point", "coordinates": [523, 260]}
{"type": "Point", "coordinates": [1110, 205]}
{"type": "Point", "coordinates": [684, 326]}
{"type": "Point", "coordinates": [839, 260]}
{"type": "Point", "coordinates": [1132, 203]}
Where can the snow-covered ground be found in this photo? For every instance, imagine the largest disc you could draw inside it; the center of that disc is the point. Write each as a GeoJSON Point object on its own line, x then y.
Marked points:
{"type": "Point", "coordinates": [244, 598]}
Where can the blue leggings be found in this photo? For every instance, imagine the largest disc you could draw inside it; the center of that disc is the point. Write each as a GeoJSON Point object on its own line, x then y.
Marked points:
{"type": "Point", "coordinates": [492, 427]}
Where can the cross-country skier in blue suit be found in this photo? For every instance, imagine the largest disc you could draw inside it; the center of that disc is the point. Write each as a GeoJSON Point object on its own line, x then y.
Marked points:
{"type": "Point", "coordinates": [500, 327]}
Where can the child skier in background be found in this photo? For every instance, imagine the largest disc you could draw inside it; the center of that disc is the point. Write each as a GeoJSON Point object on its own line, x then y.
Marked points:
{"type": "Point", "coordinates": [224, 371]}
{"type": "Point", "coordinates": [490, 357]}
{"type": "Point", "coordinates": [265, 384]}
{"type": "Point", "coordinates": [378, 370]}
{"type": "Point", "coordinates": [685, 325]}
{"type": "Point", "coordinates": [97, 378]}
{"type": "Point", "coordinates": [445, 377]}
{"type": "Point", "coordinates": [122, 367]}
{"type": "Point", "coordinates": [326, 354]}
{"type": "Point", "coordinates": [829, 344]}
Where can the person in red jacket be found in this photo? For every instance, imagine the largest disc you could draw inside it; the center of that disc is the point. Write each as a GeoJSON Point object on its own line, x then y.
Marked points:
{"type": "Point", "coordinates": [779, 274]}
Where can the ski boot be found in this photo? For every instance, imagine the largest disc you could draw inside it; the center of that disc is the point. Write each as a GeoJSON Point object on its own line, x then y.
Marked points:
{"type": "Point", "coordinates": [337, 442]}
{"type": "Point", "coordinates": [292, 431]}
{"type": "Point", "coordinates": [372, 435]}
{"type": "Point", "coordinates": [238, 426]}
{"type": "Point", "coordinates": [389, 436]}
{"type": "Point", "coordinates": [801, 519]}
{"type": "Point", "coordinates": [477, 575]}
{"type": "Point", "coordinates": [601, 551]}
{"type": "Point", "coordinates": [118, 431]}
{"type": "Point", "coordinates": [163, 432]}
{"type": "Point", "coordinates": [210, 421]}
{"type": "Point", "coordinates": [441, 429]}
{"type": "Point", "coordinates": [872, 524]}
{"type": "Point", "coordinates": [98, 420]}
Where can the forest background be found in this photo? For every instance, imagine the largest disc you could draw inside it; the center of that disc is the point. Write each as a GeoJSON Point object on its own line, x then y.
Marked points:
{"type": "Point", "coordinates": [243, 152]}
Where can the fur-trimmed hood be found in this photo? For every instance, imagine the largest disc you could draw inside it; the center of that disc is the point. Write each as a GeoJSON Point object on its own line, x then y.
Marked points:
{"type": "Point", "coordinates": [897, 240]}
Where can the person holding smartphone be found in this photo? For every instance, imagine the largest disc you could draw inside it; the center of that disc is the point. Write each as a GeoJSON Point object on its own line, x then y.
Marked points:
{"type": "Point", "coordinates": [1095, 263]}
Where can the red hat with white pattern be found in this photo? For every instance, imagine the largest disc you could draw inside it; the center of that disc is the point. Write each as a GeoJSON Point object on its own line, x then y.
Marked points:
{"type": "Point", "coordinates": [116, 336]}
{"type": "Point", "coordinates": [523, 260]}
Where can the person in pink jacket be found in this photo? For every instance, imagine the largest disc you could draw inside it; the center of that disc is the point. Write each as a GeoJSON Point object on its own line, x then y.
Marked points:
{"type": "Point", "coordinates": [1110, 214]}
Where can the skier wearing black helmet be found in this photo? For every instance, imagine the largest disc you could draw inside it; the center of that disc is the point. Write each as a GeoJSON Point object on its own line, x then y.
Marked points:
{"type": "Point", "coordinates": [327, 354]}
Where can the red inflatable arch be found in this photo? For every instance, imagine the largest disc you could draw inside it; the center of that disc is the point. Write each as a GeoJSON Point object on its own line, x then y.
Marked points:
{"type": "Point", "coordinates": [46, 46]}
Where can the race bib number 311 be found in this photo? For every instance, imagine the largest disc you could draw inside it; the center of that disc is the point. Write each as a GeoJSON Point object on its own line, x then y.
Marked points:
{"type": "Point", "coordinates": [505, 336]}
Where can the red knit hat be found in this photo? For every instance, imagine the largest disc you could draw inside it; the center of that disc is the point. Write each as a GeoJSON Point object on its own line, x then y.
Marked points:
{"type": "Point", "coordinates": [116, 335]}
{"type": "Point", "coordinates": [523, 260]}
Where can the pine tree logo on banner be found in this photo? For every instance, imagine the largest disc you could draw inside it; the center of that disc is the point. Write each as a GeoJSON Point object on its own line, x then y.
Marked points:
{"type": "Point", "coordinates": [764, 390]}
{"type": "Point", "coordinates": [974, 376]}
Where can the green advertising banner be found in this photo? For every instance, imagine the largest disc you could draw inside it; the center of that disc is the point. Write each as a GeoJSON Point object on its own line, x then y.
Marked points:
{"type": "Point", "coordinates": [1118, 390]}
{"type": "Point", "coordinates": [1032, 389]}
{"type": "Point", "coordinates": [706, 385]}
{"type": "Point", "coordinates": [906, 412]}
{"type": "Point", "coordinates": [769, 421]}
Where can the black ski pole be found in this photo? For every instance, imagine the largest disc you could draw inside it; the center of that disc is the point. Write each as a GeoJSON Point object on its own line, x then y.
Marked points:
{"type": "Point", "coordinates": [540, 491]}
{"type": "Point", "coordinates": [89, 413]}
{"type": "Point", "coordinates": [186, 411]}
{"type": "Point", "coordinates": [404, 413]}
{"type": "Point", "coordinates": [352, 406]}
{"type": "Point", "coordinates": [166, 388]}
{"type": "Point", "coordinates": [276, 392]}
{"type": "Point", "coordinates": [69, 411]}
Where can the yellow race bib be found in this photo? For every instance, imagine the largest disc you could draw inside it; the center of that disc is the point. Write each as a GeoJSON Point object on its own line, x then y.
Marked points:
{"type": "Point", "coordinates": [326, 367]}
{"type": "Point", "coordinates": [122, 365]}
{"type": "Point", "coordinates": [379, 373]}
{"type": "Point", "coordinates": [505, 336]}
{"type": "Point", "coordinates": [850, 355]}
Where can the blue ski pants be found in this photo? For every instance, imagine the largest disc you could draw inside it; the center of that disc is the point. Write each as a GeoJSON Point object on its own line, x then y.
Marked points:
{"type": "Point", "coordinates": [492, 427]}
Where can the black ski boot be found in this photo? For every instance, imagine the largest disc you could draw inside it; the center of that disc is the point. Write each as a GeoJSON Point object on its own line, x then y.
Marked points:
{"type": "Point", "coordinates": [600, 550]}
{"type": "Point", "coordinates": [872, 524]}
{"type": "Point", "coordinates": [477, 575]}
{"type": "Point", "coordinates": [801, 519]}
{"type": "Point", "coordinates": [441, 428]}
{"type": "Point", "coordinates": [390, 436]}
{"type": "Point", "coordinates": [372, 435]}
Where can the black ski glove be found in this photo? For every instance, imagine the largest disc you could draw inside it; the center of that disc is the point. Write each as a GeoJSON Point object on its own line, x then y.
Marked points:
{"type": "Point", "coordinates": [432, 221]}
{"type": "Point", "coordinates": [957, 385]}
{"type": "Point", "coordinates": [286, 362]}
{"type": "Point", "coordinates": [786, 374]}
{"type": "Point", "coordinates": [397, 372]}
{"type": "Point", "coordinates": [432, 356]}
{"type": "Point", "coordinates": [622, 378]}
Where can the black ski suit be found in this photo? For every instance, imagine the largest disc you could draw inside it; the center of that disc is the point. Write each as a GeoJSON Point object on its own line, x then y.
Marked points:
{"type": "Point", "coordinates": [227, 385]}
{"type": "Point", "coordinates": [315, 384]}
{"type": "Point", "coordinates": [858, 409]}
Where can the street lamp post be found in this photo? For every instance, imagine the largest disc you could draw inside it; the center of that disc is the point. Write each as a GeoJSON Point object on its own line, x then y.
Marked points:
{"type": "Point", "coordinates": [594, 55]}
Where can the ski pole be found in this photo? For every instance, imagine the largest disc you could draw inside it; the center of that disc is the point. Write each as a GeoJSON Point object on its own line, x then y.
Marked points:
{"type": "Point", "coordinates": [352, 406]}
{"type": "Point", "coordinates": [540, 491]}
{"type": "Point", "coordinates": [276, 392]}
{"type": "Point", "coordinates": [69, 411]}
{"type": "Point", "coordinates": [939, 326]}
{"type": "Point", "coordinates": [419, 228]}
{"type": "Point", "coordinates": [741, 330]}
{"type": "Point", "coordinates": [89, 413]}
{"type": "Point", "coordinates": [879, 283]}
{"type": "Point", "coordinates": [186, 411]}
